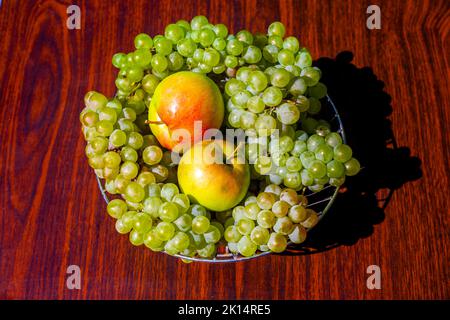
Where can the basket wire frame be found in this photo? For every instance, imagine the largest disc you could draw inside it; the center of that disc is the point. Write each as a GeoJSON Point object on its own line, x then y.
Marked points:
{"type": "Point", "coordinates": [320, 201]}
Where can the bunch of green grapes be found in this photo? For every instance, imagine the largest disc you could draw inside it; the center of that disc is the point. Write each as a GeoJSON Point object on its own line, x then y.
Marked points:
{"type": "Point", "coordinates": [269, 221]}
{"type": "Point", "coordinates": [268, 83]}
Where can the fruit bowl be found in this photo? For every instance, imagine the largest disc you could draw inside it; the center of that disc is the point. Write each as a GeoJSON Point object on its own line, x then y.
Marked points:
{"type": "Point", "coordinates": [320, 201]}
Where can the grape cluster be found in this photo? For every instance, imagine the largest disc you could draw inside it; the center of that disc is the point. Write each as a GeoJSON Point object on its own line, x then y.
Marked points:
{"type": "Point", "coordinates": [268, 221]}
{"type": "Point", "coordinates": [268, 83]}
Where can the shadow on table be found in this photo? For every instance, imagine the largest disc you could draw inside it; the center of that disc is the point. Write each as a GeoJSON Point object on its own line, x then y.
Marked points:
{"type": "Point", "coordinates": [364, 107]}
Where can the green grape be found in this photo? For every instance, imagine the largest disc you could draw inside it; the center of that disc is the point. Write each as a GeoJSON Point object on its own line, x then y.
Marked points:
{"type": "Point", "coordinates": [297, 88]}
{"type": "Point", "coordinates": [120, 183]}
{"type": "Point", "coordinates": [299, 148]}
{"type": "Point", "coordinates": [286, 144]}
{"type": "Point", "coordinates": [176, 61]}
{"type": "Point", "coordinates": [272, 96]}
{"type": "Point", "coordinates": [314, 142]}
{"type": "Point", "coordinates": [252, 210]}
{"type": "Point", "coordinates": [118, 60]}
{"type": "Point", "coordinates": [280, 78]}
{"type": "Point", "coordinates": [286, 57]}
{"type": "Point", "coordinates": [307, 178]}
{"type": "Point", "coordinates": [143, 57]}
{"type": "Point", "coordinates": [116, 208]}
{"type": "Point", "coordinates": [283, 225]}
{"type": "Point", "coordinates": [142, 223]}
{"type": "Point", "coordinates": [134, 192]}
{"type": "Point", "coordinates": [303, 104]}
{"type": "Point", "coordinates": [259, 235]}
{"type": "Point", "coordinates": [260, 40]}
{"type": "Point", "coordinates": [145, 178]}
{"type": "Point", "coordinates": [292, 180]}
{"type": "Point", "coordinates": [180, 241]}
{"type": "Point", "coordinates": [277, 242]}
{"type": "Point", "coordinates": [297, 214]}
{"type": "Point", "coordinates": [198, 210]}
{"type": "Point", "coordinates": [98, 145]}
{"type": "Point", "coordinates": [126, 125]}
{"type": "Point", "coordinates": [108, 114]}
{"type": "Point", "coordinates": [159, 62]}
{"type": "Point", "coordinates": [219, 44]}
{"type": "Point", "coordinates": [152, 205]}
{"type": "Point", "coordinates": [234, 118]}
{"type": "Point", "coordinates": [352, 167]}
{"type": "Point", "coordinates": [152, 241]}
{"type": "Point", "coordinates": [293, 164]}
{"type": "Point", "coordinates": [246, 247]}
{"type": "Point", "coordinates": [335, 169]}
{"type": "Point", "coordinates": [298, 235]}
{"type": "Point", "coordinates": [333, 139]}
{"type": "Point", "coordinates": [273, 188]}
{"type": "Point", "coordinates": [212, 235]}
{"type": "Point", "coordinates": [318, 91]}
{"type": "Point", "coordinates": [128, 219]}
{"type": "Point", "coordinates": [276, 29]}
{"type": "Point", "coordinates": [168, 212]}
{"type": "Point", "coordinates": [290, 196]}
{"type": "Point", "coordinates": [174, 33]}
{"type": "Point", "coordinates": [95, 100]}
{"type": "Point", "coordinates": [243, 74]}
{"type": "Point", "coordinates": [265, 200]}
{"type": "Point", "coordinates": [221, 30]}
{"type": "Point", "coordinates": [314, 106]}
{"type": "Point", "coordinates": [279, 158]}
{"type": "Point", "coordinates": [337, 182]}
{"type": "Point", "coordinates": [184, 222]}
{"type": "Point", "coordinates": [164, 231]}
{"type": "Point", "coordinates": [128, 154]}
{"type": "Point", "coordinates": [234, 86]}
{"type": "Point", "coordinates": [265, 124]}
{"type": "Point", "coordinates": [307, 157]}
{"type": "Point", "coordinates": [229, 222]}
{"type": "Point", "coordinates": [247, 120]}
{"type": "Point", "coordinates": [291, 44]}
{"type": "Point", "coordinates": [129, 170]}
{"type": "Point", "coordinates": [342, 153]}
{"type": "Point", "coordinates": [154, 190]}
{"type": "Point", "coordinates": [198, 22]}
{"type": "Point", "coordinates": [110, 173]}
{"type": "Point", "coordinates": [89, 118]}
{"type": "Point", "coordinates": [168, 191]}
{"type": "Point", "coordinates": [152, 155]}
{"type": "Point", "coordinates": [257, 80]}
{"type": "Point", "coordinates": [186, 47]}
{"type": "Point", "coordinates": [263, 165]}
{"type": "Point", "coordinates": [317, 169]}
{"type": "Point", "coordinates": [111, 159]}
{"type": "Point", "coordinates": [303, 59]}
{"type": "Point", "coordinates": [252, 54]}
{"type": "Point", "coordinates": [135, 140]}
{"type": "Point", "coordinates": [118, 138]}
{"type": "Point", "coordinates": [200, 224]}
{"type": "Point", "coordinates": [316, 187]}
{"type": "Point", "coordinates": [324, 153]}
{"type": "Point", "coordinates": [238, 213]}
{"type": "Point", "coordinates": [288, 113]}
{"type": "Point", "coordinates": [245, 37]}
{"type": "Point", "coordinates": [104, 128]}
{"type": "Point", "coordinates": [220, 68]}
{"type": "Point", "coordinates": [211, 57]}
{"type": "Point", "coordinates": [110, 186]}
{"type": "Point", "coordinates": [134, 74]}
{"type": "Point", "coordinates": [281, 172]}
{"type": "Point", "coordinates": [143, 41]}
{"type": "Point", "coordinates": [121, 228]}
{"type": "Point", "coordinates": [181, 201]}
{"type": "Point", "coordinates": [206, 37]}
{"type": "Point", "coordinates": [266, 219]}
{"type": "Point", "coordinates": [231, 61]}
{"type": "Point", "coordinates": [163, 46]}
{"type": "Point", "coordinates": [312, 219]}
{"type": "Point", "coordinates": [231, 234]}
{"type": "Point", "coordinates": [207, 251]}
{"type": "Point", "coordinates": [255, 104]}
{"type": "Point", "coordinates": [234, 47]}
{"type": "Point", "coordinates": [270, 53]}
{"type": "Point", "coordinates": [245, 226]}
{"type": "Point", "coordinates": [280, 208]}
{"type": "Point", "coordinates": [276, 41]}
{"type": "Point", "coordinates": [241, 98]}
{"type": "Point", "coordinates": [311, 76]}
{"type": "Point", "coordinates": [170, 248]}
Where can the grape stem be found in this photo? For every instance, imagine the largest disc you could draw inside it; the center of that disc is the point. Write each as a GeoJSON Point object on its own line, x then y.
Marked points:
{"type": "Point", "coordinates": [153, 122]}
{"type": "Point", "coordinates": [235, 151]}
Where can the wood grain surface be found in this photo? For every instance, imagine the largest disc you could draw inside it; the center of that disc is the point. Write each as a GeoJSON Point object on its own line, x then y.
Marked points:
{"type": "Point", "coordinates": [391, 86]}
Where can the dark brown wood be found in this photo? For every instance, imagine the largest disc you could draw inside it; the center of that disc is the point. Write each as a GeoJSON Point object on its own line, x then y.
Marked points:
{"type": "Point", "coordinates": [52, 213]}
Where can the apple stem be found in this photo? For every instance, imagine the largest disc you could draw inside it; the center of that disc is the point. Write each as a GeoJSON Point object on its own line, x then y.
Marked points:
{"type": "Point", "coordinates": [153, 122]}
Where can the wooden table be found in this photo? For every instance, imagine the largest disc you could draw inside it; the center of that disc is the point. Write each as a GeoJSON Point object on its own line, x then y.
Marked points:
{"type": "Point", "coordinates": [387, 83]}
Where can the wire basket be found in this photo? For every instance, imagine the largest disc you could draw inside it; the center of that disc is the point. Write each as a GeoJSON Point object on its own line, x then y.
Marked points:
{"type": "Point", "coordinates": [320, 201]}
